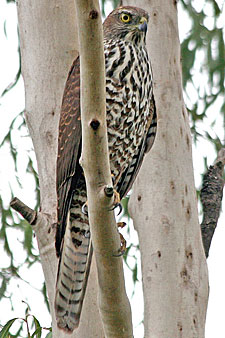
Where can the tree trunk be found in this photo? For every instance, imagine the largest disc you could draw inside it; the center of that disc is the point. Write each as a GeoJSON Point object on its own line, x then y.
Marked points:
{"type": "Point", "coordinates": [163, 204]}
{"type": "Point", "coordinates": [48, 46]}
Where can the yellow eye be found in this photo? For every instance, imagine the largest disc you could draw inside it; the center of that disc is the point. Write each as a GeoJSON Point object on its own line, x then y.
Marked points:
{"type": "Point", "coordinates": [125, 18]}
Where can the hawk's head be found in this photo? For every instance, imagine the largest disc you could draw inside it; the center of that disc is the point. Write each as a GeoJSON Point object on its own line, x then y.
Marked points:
{"type": "Point", "coordinates": [127, 23]}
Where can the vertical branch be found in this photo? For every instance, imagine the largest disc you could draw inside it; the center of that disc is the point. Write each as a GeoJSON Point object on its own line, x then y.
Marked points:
{"type": "Point", "coordinates": [113, 302]}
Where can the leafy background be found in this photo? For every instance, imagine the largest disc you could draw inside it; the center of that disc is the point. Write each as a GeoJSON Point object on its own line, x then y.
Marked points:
{"type": "Point", "coordinates": [203, 60]}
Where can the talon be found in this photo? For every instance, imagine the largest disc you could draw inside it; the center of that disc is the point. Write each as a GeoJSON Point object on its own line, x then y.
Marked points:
{"type": "Point", "coordinates": [116, 202]}
{"type": "Point", "coordinates": [120, 209]}
{"type": "Point", "coordinates": [115, 206]}
{"type": "Point", "coordinates": [123, 243]}
{"type": "Point", "coordinates": [84, 208]}
{"type": "Point", "coordinates": [116, 197]}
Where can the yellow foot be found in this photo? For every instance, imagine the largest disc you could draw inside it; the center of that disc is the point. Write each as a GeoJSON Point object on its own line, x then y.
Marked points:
{"type": "Point", "coordinates": [123, 244]}
{"type": "Point", "coordinates": [116, 197]}
{"type": "Point", "coordinates": [110, 192]}
{"type": "Point", "coordinates": [116, 202]}
{"type": "Point", "coordinates": [121, 225]}
{"type": "Point", "coordinates": [122, 248]}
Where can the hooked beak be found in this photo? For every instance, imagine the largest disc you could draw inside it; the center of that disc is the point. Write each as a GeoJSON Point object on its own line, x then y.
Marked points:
{"type": "Point", "coordinates": [143, 26]}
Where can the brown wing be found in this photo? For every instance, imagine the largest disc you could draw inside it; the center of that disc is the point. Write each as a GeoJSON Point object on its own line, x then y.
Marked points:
{"type": "Point", "coordinates": [69, 147]}
{"type": "Point", "coordinates": [127, 179]}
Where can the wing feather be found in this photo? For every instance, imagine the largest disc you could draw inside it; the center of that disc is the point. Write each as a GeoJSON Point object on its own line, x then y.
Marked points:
{"type": "Point", "coordinates": [69, 148]}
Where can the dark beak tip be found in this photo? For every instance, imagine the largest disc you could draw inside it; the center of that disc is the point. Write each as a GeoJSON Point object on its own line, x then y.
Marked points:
{"type": "Point", "coordinates": [143, 27]}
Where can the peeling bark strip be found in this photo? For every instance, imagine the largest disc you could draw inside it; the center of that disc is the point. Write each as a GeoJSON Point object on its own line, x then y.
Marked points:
{"type": "Point", "coordinates": [211, 198]}
{"type": "Point", "coordinates": [28, 214]}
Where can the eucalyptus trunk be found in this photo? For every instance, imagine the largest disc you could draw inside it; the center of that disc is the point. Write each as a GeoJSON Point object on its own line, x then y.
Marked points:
{"type": "Point", "coordinates": [163, 204]}
{"type": "Point", "coordinates": [49, 44]}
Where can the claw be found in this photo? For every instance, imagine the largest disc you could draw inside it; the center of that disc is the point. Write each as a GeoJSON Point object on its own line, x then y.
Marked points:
{"type": "Point", "coordinates": [116, 202]}
{"type": "Point", "coordinates": [115, 206]}
{"type": "Point", "coordinates": [122, 249]}
{"type": "Point", "coordinates": [84, 208]}
{"type": "Point", "coordinates": [120, 208]}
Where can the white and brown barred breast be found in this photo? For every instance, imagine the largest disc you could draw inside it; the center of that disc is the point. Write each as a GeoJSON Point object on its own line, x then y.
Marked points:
{"type": "Point", "coordinates": [128, 94]}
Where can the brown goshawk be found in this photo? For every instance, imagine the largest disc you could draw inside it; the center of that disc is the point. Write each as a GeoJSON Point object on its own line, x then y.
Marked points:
{"type": "Point", "coordinates": [131, 125]}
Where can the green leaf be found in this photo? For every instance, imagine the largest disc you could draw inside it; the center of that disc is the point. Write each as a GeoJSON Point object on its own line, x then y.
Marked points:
{"type": "Point", "coordinates": [37, 333]}
{"type": "Point", "coordinates": [49, 335]}
{"type": "Point", "coordinates": [4, 333]}
{"type": "Point", "coordinates": [38, 328]}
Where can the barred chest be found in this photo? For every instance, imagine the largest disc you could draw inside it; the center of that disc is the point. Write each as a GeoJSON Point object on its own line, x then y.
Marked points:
{"type": "Point", "coordinates": [128, 93]}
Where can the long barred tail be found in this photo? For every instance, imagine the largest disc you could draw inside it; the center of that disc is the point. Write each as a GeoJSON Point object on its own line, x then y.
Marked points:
{"type": "Point", "coordinates": [74, 266]}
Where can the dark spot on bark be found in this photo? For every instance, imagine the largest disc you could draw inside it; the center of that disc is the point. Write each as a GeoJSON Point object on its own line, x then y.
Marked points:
{"type": "Point", "coordinates": [95, 124]}
{"type": "Point", "coordinates": [188, 142]}
{"type": "Point", "coordinates": [156, 266]}
{"type": "Point", "coordinates": [189, 254]}
{"type": "Point", "coordinates": [154, 14]}
{"type": "Point", "coordinates": [188, 211]}
{"type": "Point", "coordinates": [139, 197]}
{"type": "Point", "coordinates": [182, 201]}
{"type": "Point", "coordinates": [93, 14]}
{"type": "Point", "coordinates": [175, 2]}
{"type": "Point", "coordinates": [179, 325]}
{"type": "Point", "coordinates": [186, 189]}
{"type": "Point", "coordinates": [196, 296]}
{"type": "Point", "coordinates": [183, 112]}
{"type": "Point", "coordinates": [53, 113]}
{"type": "Point", "coordinates": [159, 253]}
{"type": "Point", "coordinates": [146, 218]}
{"type": "Point", "coordinates": [49, 230]}
{"type": "Point", "coordinates": [195, 321]}
{"type": "Point", "coordinates": [181, 131]}
{"type": "Point", "coordinates": [172, 186]}
{"type": "Point", "coordinates": [184, 275]}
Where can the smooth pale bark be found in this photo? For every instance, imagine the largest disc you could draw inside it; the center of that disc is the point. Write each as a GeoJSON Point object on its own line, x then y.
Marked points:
{"type": "Point", "coordinates": [113, 302]}
{"type": "Point", "coordinates": [163, 204]}
{"type": "Point", "coordinates": [48, 46]}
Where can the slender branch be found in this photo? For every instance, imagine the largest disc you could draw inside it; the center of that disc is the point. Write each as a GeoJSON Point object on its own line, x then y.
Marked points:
{"type": "Point", "coordinates": [211, 198]}
{"type": "Point", "coordinates": [28, 214]}
{"type": "Point", "coordinates": [113, 302]}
